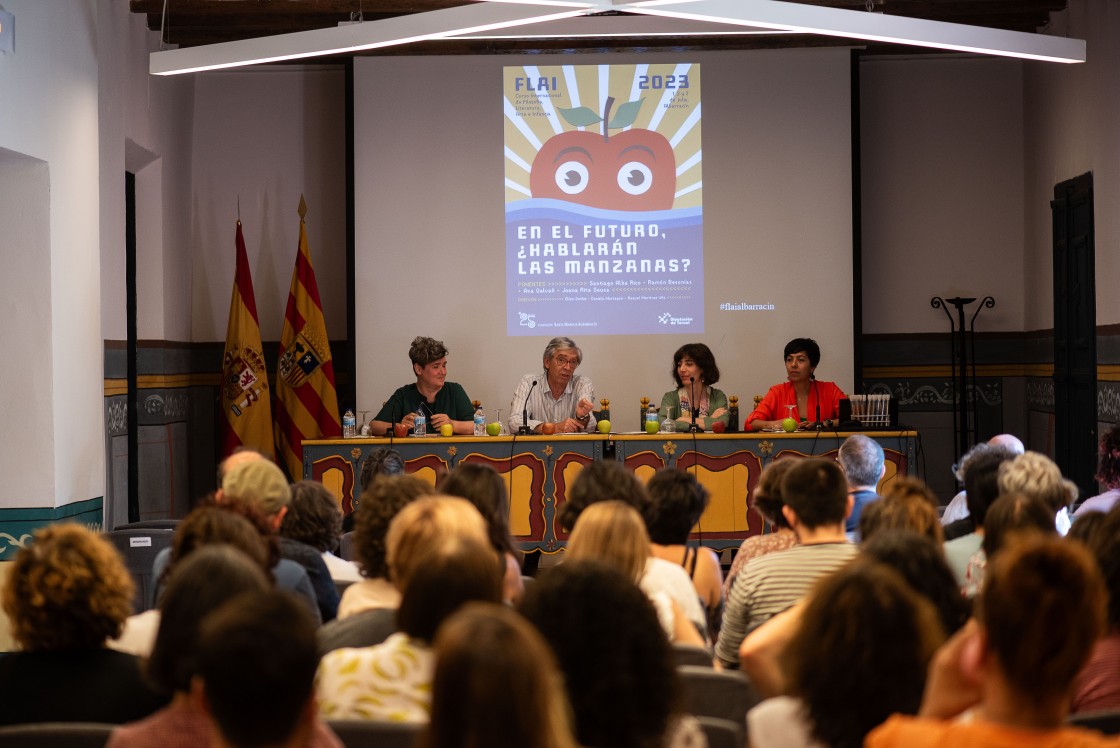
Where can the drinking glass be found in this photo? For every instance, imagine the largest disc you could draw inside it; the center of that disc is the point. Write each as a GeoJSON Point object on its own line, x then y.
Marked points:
{"type": "Point", "coordinates": [667, 425]}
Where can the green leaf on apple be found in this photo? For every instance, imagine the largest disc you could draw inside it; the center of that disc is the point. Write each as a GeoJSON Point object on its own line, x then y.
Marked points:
{"type": "Point", "coordinates": [580, 116]}
{"type": "Point", "coordinates": [625, 114]}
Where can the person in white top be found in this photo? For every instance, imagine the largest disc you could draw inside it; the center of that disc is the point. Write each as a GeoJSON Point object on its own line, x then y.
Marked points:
{"type": "Point", "coordinates": [556, 399]}
{"type": "Point", "coordinates": [314, 518]}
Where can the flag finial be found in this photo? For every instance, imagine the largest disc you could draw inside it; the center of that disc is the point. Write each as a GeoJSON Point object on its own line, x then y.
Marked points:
{"type": "Point", "coordinates": [302, 208]}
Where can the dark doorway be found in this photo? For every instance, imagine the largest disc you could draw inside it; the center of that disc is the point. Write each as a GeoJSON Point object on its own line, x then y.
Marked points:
{"type": "Point", "coordinates": [1075, 332]}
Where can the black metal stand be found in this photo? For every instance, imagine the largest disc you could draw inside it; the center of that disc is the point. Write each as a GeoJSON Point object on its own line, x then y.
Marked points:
{"type": "Point", "coordinates": [962, 344]}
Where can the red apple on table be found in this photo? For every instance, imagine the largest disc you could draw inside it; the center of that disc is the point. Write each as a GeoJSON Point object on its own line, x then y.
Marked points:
{"type": "Point", "coordinates": [718, 427]}
{"type": "Point", "coordinates": [548, 428]}
{"type": "Point", "coordinates": [400, 430]}
{"type": "Point", "coordinates": [630, 170]}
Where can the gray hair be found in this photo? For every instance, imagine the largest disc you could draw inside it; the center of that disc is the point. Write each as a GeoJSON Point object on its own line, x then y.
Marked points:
{"type": "Point", "coordinates": [562, 344]}
{"type": "Point", "coordinates": [862, 460]}
{"type": "Point", "coordinates": [424, 351]}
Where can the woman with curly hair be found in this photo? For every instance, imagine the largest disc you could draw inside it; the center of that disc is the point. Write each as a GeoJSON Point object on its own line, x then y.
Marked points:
{"type": "Point", "coordinates": [1108, 475]}
{"type": "Point", "coordinates": [905, 504]}
{"type": "Point", "coordinates": [694, 402]}
{"type": "Point", "coordinates": [65, 595]}
{"type": "Point", "coordinates": [315, 519]}
{"type": "Point", "coordinates": [387, 496]}
{"type": "Point", "coordinates": [859, 655]}
{"type": "Point", "coordinates": [617, 664]}
{"type": "Point", "coordinates": [481, 485]}
{"type": "Point", "coordinates": [768, 502]}
{"type": "Point", "coordinates": [496, 684]}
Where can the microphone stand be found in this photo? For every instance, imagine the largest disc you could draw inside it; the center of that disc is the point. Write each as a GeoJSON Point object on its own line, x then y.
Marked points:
{"type": "Point", "coordinates": [693, 427]}
{"type": "Point", "coordinates": [817, 394]}
{"type": "Point", "coordinates": [524, 429]}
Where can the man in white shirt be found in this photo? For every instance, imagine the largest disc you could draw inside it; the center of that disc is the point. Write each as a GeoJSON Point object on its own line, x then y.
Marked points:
{"type": "Point", "coordinates": [557, 396]}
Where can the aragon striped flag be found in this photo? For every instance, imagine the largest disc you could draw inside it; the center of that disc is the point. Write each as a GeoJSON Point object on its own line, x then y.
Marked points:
{"type": "Point", "coordinates": [246, 401]}
{"type": "Point", "coordinates": [306, 401]}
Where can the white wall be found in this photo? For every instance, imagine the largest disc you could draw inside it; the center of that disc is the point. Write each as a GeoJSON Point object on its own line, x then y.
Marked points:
{"type": "Point", "coordinates": [1072, 127]}
{"type": "Point", "coordinates": [430, 225]}
{"type": "Point", "coordinates": [942, 198]}
{"type": "Point", "coordinates": [266, 136]}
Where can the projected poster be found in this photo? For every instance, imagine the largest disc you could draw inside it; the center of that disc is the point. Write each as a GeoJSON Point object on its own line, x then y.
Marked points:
{"type": "Point", "coordinates": [604, 219]}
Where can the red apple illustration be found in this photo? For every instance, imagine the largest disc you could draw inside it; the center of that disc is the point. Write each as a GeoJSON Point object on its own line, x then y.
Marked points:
{"type": "Point", "coordinates": [631, 170]}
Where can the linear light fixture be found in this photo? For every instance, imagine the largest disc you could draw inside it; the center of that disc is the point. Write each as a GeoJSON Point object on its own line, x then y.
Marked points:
{"type": "Point", "coordinates": [491, 15]}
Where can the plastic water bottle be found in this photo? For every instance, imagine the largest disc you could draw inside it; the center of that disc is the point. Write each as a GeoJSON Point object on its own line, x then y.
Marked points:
{"type": "Point", "coordinates": [420, 425]}
{"type": "Point", "coordinates": [479, 422]}
{"type": "Point", "coordinates": [651, 417]}
{"type": "Point", "coordinates": [349, 425]}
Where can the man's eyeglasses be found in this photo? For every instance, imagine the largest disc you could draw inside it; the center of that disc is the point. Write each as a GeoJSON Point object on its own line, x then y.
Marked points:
{"type": "Point", "coordinates": [565, 361]}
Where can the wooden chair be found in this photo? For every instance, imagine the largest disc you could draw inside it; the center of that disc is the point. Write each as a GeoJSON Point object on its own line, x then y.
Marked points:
{"type": "Point", "coordinates": [372, 733]}
{"type": "Point", "coordinates": [56, 735]}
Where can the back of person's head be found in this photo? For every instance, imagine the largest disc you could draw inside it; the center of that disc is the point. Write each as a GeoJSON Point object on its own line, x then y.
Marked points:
{"type": "Point", "coordinates": [260, 482]}
{"type": "Point", "coordinates": [447, 576]}
{"type": "Point", "coordinates": [906, 504]}
{"type": "Point", "coordinates": [862, 460]}
{"type": "Point", "coordinates": [313, 517]}
{"type": "Point", "coordinates": [380, 504]}
{"type": "Point", "coordinates": [920, 561]}
{"type": "Point", "coordinates": [423, 524]}
{"type": "Point", "coordinates": [816, 491]}
{"type": "Point", "coordinates": [617, 662]}
{"type": "Point", "coordinates": [612, 532]}
{"type": "Point", "coordinates": [981, 480]}
{"type": "Point", "coordinates": [768, 492]}
{"type": "Point", "coordinates": [1015, 514]}
{"type": "Point", "coordinates": [1034, 474]}
{"type": "Point", "coordinates": [481, 485]}
{"type": "Point", "coordinates": [676, 501]}
{"type": "Point", "coordinates": [233, 522]}
{"type": "Point", "coordinates": [69, 590]}
{"type": "Point", "coordinates": [1042, 607]}
{"type": "Point", "coordinates": [496, 684]}
{"type": "Point", "coordinates": [256, 661]}
{"type": "Point", "coordinates": [601, 480]}
{"type": "Point", "coordinates": [381, 461]}
{"type": "Point", "coordinates": [861, 652]}
{"type": "Point", "coordinates": [1103, 542]}
{"type": "Point", "coordinates": [203, 582]}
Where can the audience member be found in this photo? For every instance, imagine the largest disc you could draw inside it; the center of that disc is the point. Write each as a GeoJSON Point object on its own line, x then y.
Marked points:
{"type": "Point", "coordinates": [816, 505]}
{"type": "Point", "coordinates": [419, 527]}
{"type": "Point", "coordinates": [608, 480]}
{"type": "Point", "coordinates": [1035, 475]}
{"type": "Point", "coordinates": [64, 595]}
{"type": "Point", "coordinates": [861, 459]}
{"type": "Point", "coordinates": [496, 684]}
{"type": "Point", "coordinates": [677, 500]}
{"type": "Point", "coordinates": [956, 518]}
{"type": "Point", "coordinates": [1041, 609]}
{"type": "Point", "coordinates": [768, 502]}
{"type": "Point", "coordinates": [981, 484]}
{"type": "Point", "coordinates": [1108, 475]}
{"type": "Point", "coordinates": [380, 504]}
{"type": "Point", "coordinates": [613, 532]}
{"type": "Point", "coordinates": [235, 523]}
{"type": "Point", "coordinates": [481, 485]}
{"type": "Point", "coordinates": [1010, 514]}
{"type": "Point", "coordinates": [906, 504]}
{"type": "Point", "coordinates": [616, 661]}
{"type": "Point", "coordinates": [859, 655]}
{"type": "Point", "coordinates": [393, 680]}
{"type": "Point", "coordinates": [314, 519]}
{"type": "Point", "coordinates": [1097, 686]}
{"type": "Point", "coordinates": [256, 661]}
{"type": "Point", "coordinates": [381, 461]}
{"type": "Point", "coordinates": [199, 585]}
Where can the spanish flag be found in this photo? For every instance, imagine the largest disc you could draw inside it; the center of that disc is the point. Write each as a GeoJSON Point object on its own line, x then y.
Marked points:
{"type": "Point", "coordinates": [245, 395]}
{"type": "Point", "coordinates": [306, 402]}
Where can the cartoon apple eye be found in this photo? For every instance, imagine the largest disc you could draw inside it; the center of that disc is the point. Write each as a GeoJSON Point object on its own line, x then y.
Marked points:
{"type": "Point", "coordinates": [635, 178]}
{"type": "Point", "coordinates": [572, 177]}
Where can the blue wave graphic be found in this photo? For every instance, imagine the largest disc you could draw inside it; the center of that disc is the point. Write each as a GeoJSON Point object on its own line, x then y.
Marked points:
{"type": "Point", "coordinates": [538, 208]}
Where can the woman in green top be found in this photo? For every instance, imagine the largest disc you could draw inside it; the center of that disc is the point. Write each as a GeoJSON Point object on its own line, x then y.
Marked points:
{"type": "Point", "coordinates": [694, 400]}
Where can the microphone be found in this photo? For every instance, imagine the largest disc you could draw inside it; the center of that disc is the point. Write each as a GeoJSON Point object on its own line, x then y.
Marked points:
{"type": "Point", "coordinates": [525, 430]}
{"type": "Point", "coordinates": [817, 394]}
{"type": "Point", "coordinates": [695, 405]}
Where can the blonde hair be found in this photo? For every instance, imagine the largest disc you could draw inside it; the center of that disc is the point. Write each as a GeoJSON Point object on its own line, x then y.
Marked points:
{"type": "Point", "coordinates": [424, 524]}
{"type": "Point", "coordinates": [613, 532]}
{"type": "Point", "coordinates": [1036, 476]}
{"type": "Point", "coordinates": [906, 504]}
